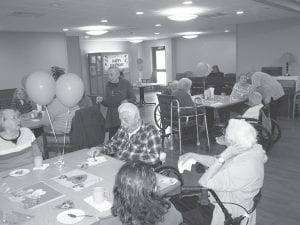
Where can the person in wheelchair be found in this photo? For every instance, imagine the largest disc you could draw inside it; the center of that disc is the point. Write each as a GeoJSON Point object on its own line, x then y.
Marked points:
{"type": "Point", "coordinates": [135, 140]}
{"type": "Point", "coordinates": [237, 174]}
{"type": "Point", "coordinates": [183, 95]}
{"type": "Point", "coordinates": [136, 200]}
{"type": "Point", "coordinates": [171, 88]}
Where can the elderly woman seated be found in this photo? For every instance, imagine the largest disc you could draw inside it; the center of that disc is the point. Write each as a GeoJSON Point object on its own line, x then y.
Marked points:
{"type": "Point", "coordinates": [136, 200]}
{"type": "Point", "coordinates": [21, 101]}
{"type": "Point", "coordinates": [183, 95]}
{"type": "Point", "coordinates": [241, 89]}
{"type": "Point", "coordinates": [237, 174]}
{"type": "Point", "coordinates": [171, 88]}
{"type": "Point", "coordinates": [17, 144]}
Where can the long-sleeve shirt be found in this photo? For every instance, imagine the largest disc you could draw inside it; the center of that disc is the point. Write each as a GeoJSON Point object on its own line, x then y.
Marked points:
{"type": "Point", "coordinates": [144, 145]}
{"type": "Point", "coordinates": [115, 93]}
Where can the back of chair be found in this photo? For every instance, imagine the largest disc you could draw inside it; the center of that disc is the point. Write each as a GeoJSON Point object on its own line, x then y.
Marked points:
{"type": "Point", "coordinates": [164, 102]}
{"type": "Point", "coordinates": [88, 128]}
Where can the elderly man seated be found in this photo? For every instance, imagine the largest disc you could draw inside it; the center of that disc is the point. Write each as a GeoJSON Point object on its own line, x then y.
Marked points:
{"type": "Point", "coordinates": [135, 140]}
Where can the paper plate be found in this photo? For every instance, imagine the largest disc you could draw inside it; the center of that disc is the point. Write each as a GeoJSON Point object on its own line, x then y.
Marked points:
{"type": "Point", "coordinates": [64, 218]}
{"type": "Point", "coordinates": [19, 172]}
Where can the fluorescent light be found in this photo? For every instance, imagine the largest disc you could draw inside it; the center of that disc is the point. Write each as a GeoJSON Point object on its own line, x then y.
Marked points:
{"type": "Point", "coordinates": [239, 12]}
{"type": "Point", "coordinates": [65, 29]}
{"type": "Point", "coordinates": [96, 32]}
{"type": "Point", "coordinates": [139, 13]}
{"type": "Point", "coordinates": [104, 21]}
{"type": "Point", "coordinates": [226, 31]}
{"type": "Point", "coordinates": [156, 33]}
{"type": "Point", "coordinates": [158, 25]}
{"type": "Point", "coordinates": [190, 36]}
{"type": "Point", "coordinates": [98, 27]}
{"type": "Point", "coordinates": [187, 2]}
{"type": "Point", "coordinates": [182, 17]}
{"type": "Point", "coordinates": [86, 37]}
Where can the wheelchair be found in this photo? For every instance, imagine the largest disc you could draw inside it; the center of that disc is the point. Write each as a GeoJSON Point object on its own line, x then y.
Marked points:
{"type": "Point", "coordinates": [168, 113]}
{"type": "Point", "coordinates": [202, 194]}
{"type": "Point", "coordinates": [269, 132]}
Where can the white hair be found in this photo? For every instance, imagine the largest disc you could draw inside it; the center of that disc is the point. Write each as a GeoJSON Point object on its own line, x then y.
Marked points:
{"type": "Point", "coordinates": [130, 110]}
{"type": "Point", "coordinates": [185, 84]}
{"type": "Point", "coordinates": [241, 133]}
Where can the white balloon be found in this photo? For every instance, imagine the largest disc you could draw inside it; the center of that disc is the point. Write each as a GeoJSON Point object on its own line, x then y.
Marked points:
{"type": "Point", "coordinates": [203, 69]}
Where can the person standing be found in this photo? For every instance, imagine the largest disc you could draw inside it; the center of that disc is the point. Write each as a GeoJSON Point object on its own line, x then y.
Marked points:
{"type": "Point", "coordinates": [117, 91]}
{"type": "Point", "coordinates": [270, 89]}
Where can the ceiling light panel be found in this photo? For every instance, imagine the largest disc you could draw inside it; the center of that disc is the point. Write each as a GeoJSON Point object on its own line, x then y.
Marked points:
{"type": "Point", "coordinates": [190, 36]}
{"type": "Point", "coordinates": [96, 32]}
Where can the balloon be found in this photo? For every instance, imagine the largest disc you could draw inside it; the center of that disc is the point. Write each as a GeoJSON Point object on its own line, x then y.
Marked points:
{"type": "Point", "coordinates": [40, 87]}
{"type": "Point", "coordinates": [69, 89]}
{"type": "Point", "coordinates": [203, 69]}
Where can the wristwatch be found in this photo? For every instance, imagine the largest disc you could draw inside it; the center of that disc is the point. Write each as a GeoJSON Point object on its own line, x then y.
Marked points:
{"type": "Point", "coordinates": [220, 159]}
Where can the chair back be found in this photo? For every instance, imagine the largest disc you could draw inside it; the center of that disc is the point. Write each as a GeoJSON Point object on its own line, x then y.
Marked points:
{"type": "Point", "coordinates": [164, 102]}
{"type": "Point", "coordinates": [88, 128]}
{"type": "Point", "coordinates": [198, 85]}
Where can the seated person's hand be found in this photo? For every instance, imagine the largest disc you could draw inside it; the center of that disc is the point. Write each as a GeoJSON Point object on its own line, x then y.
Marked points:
{"type": "Point", "coordinates": [94, 152]}
{"type": "Point", "coordinates": [99, 99]}
{"type": "Point", "coordinates": [187, 156]}
{"type": "Point", "coordinates": [221, 140]}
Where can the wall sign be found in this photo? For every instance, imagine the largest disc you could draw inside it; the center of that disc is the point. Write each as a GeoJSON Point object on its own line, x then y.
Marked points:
{"type": "Point", "coordinates": [120, 61]}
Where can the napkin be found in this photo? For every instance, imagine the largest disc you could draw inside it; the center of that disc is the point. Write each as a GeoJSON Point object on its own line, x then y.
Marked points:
{"type": "Point", "coordinates": [105, 206]}
{"type": "Point", "coordinates": [92, 162]}
{"type": "Point", "coordinates": [186, 166]}
{"type": "Point", "coordinates": [43, 167]}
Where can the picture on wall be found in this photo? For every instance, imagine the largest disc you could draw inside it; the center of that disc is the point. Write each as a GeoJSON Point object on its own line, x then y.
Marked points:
{"type": "Point", "coordinates": [121, 61]}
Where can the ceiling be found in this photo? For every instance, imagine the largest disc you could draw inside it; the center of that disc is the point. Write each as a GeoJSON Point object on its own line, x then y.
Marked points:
{"type": "Point", "coordinates": [54, 15]}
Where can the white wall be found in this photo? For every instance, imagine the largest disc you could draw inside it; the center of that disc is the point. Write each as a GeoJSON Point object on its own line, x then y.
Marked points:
{"type": "Point", "coordinates": [217, 49]}
{"type": "Point", "coordinates": [93, 46]}
{"type": "Point", "coordinates": [262, 44]}
{"type": "Point", "coordinates": [22, 53]}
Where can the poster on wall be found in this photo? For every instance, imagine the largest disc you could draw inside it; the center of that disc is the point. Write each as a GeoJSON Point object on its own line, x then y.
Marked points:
{"type": "Point", "coordinates": [120, 61]}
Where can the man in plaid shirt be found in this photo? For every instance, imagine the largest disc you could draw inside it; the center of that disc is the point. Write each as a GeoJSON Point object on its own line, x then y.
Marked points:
{"type": "Point", "coordinates": [135, 140]}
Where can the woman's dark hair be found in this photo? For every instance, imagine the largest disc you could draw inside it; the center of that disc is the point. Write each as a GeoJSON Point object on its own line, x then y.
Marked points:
{"type": "Point", "coordinates": [135, 199]}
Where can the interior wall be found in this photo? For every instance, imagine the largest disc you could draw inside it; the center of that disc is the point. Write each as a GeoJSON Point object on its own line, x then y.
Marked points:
{"type": "Point", "coordinates": [22, 53]}
{"type": "Point", "coordinates": [147, 57]}
{"type": "Point", "coordinates": [217, 49]}
{"type": "Point", "coordinates": [74, 57]}
{"type": "Point", "coordinates": [94, 46]}
{"type": "Point", "coordinates": [262, 44]}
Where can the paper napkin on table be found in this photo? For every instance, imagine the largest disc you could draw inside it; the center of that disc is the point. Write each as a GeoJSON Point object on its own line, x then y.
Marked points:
{"type": "Point", "coordinates": [186, 166]}
{"type": "Point", "coordinates": [43, 167]}
{"type": "Point", "coordinates": [105, 206]}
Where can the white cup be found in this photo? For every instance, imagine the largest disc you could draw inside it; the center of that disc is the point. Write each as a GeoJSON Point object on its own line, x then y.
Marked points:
{"type": "Point", "coordinates": [100, 195]}
{"type": "Point", "coordinates": [38, 161]}
{"type": "Point", "coordinates": [212, 92]}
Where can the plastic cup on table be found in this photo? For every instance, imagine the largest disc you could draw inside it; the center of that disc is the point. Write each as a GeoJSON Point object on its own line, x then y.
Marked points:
{"type": "Point", "coordinates": [38, 161]}
{"type": "Point", "coordinates": [100, 195]}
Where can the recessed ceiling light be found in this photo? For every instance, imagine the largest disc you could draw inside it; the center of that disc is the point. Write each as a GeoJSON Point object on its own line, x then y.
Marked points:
{"type": "Point", "coordinates": [183, 17]}
{"type": "Point", "coordinates": [156, 33]}
{"type": "Point", "coordinates": [139, 13]}
{"type": "Point", "coordinates": [135, 41]}
{"type": "Point", "coordinates": [104, 21]}
{"type": "Point", "coordinates": [187, 2]}
{"type": "Point", "coordinates": [96, 32]}
{"type": "Point", "coordinates": [155, 38]}
{"type": "Point", "coordinates": [98, 27]}
{"type": "Point", "coordinates": [158, 25]}
{"type": "Point", "coordinates": [65, 29]}
{"type": "Point", "coordinates": [86, 37]}
{"type": "Point", "coordinates": [185, 10]}
{"type": "Point", "coordinates": [239, 12]}
{"type": "Point", "coordinates": [226, 31]}
{"type": "Point", "coordinates": [190, 36]}
{"type": "Point", "coordinates": [191, 33]}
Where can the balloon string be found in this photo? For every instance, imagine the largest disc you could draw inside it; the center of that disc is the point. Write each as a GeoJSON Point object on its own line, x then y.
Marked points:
{"type": "Point", "coordinates": [51, 124]}
{"type": "Point", "coordinates": [67, 124]}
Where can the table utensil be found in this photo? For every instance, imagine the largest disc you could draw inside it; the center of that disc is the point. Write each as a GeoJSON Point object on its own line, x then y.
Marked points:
{"type": "Point", "coordinates": [74, 216]}
{"type": "Point", "coordinates": [64, 217]}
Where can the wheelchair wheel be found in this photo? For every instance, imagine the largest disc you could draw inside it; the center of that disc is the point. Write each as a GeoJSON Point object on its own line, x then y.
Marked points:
{"type": "Point", "coordinates": [276, 131]}
{"type": "Point", "coordinates": [169, 171]}
{"type": "Point", "coordinates": [157, 117]}
{"type": "Point", "coordinates": [264, 137]}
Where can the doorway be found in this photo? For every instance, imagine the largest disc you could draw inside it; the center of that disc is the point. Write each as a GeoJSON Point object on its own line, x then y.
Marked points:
{"type": "Point", "coordinates": [159, 64]}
